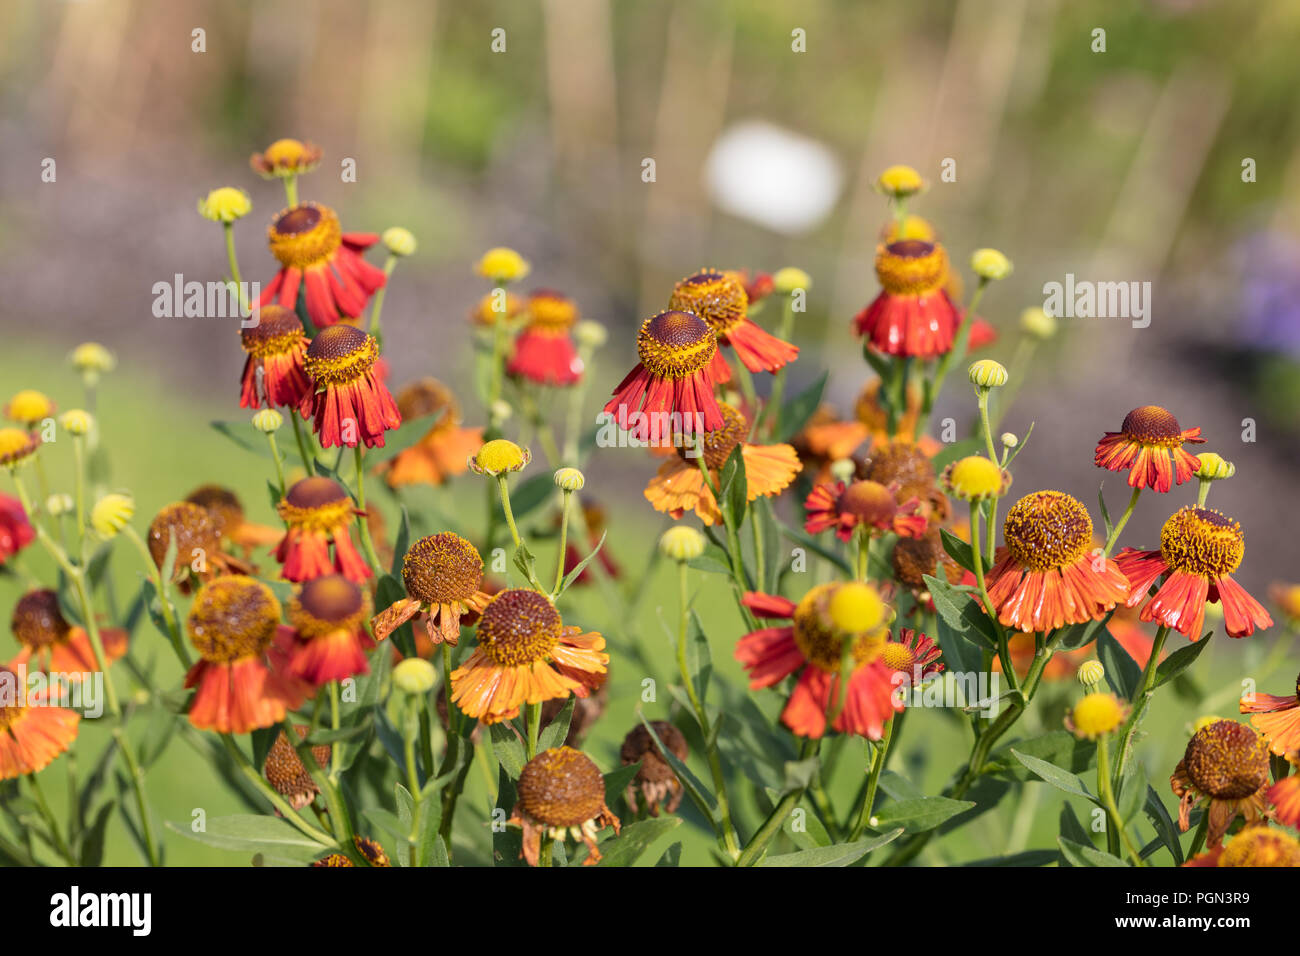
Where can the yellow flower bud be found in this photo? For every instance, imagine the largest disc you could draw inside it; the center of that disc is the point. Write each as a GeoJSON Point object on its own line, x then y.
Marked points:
{"type": "Point", "coordinates": [900, 181]}
{"type": "Point", "coordinates": [91, 357]}
{"type": "Point", "coordinates": [414, 676]}
{"type": "Point", "coordinates": [501, 410]}
{"type": "Point", "coordinates": [1091, 673]}
{"type": "Point", "coordinates": [681, 543]}
{"type": "Point", "coordinates": [502, 265]}
{"type": "Point", "coordinates": [1009, 440]}
{"type": "Point", "coordinates": [111, 514]}
{"type": "Point", "coordinates": [1214, 467]}
{"type": "Point", "coordinates": [786, 280]}
{"type": "Point", "coordinates": [975, 478]}
{"type": "Point", "coordinates": [225, 204]}
{"type": "Point", "coordinates": [59, 504]}
{"type": "Point", "coordinates": [842, 469]}
{"type": "Point", "coordinates": [856, 608]}
{"type": "Point", "coordinates": [1038, 323]}
{"type": "Point", "coordinates": [268, 420]}
{"type": "Point", "coordinates": [569, 479]}
{"type": "Point", "coordinates": [17, 446]}
{"type": "Point", "coordinates": [28, 407]}
{"type": "Point", "coordinates": [499, 456]}
{"type": "Point", "coordinates": [990, 264]}
{"type": "Point", "coordinates": [590, 334]}
{"type": "Point", "coordinates": [77, 422]}
{"type": "Point", "coordinates": [399, 241]}
{"type": "Point", "coordinates": [987, 373]}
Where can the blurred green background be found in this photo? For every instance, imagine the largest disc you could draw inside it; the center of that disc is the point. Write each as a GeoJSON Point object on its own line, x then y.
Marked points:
{"type": "Point", "coordinates": [1117, 165]}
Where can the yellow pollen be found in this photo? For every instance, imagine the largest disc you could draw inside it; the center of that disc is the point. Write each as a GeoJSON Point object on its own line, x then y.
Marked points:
{"type": "Point", "coordinates": [1203, 542]}
{"type": "Point", "coordinates": [519, 627]}
{"type": "Point", "coordinates": [856, 607]}
{"type": "Point", "coordinates": [899, 657]}
{"type": "Point", "coordinates": [718, 298]}
{"type": "Point", "coordinates": [1047, 530]}
{"type": "Point", "coordinates": [340, 354]}
{"type": "Point", "coordinates": [911, 267]}
{"type": "Point", "coordinates": [1261, 846]}
{"type": "Point", "coordinates": [500, 455]}
{"type": "Point", "coordinates": [233, 618]}
{"type": "Point", "coordinates": [305, 235]}
{"type": "Point", "coordinates": [975, 477]}
{"type": "Point", "coordinates": [821, 643]}
{"type": "Point", "coordinates": [278, 330]}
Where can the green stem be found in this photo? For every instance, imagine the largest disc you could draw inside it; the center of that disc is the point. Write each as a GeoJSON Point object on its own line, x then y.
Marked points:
{"type": "Point", "coordinates": [1203, 491]}
{"type": "Point", "coordinates": [504, 487]}
{"type": "Point", "coordinates": [1107, 795]}
{"type": "Point", "coordinates": [291, 189]}
{"type": "Point", "coordinates": [772, 410]}
{"type": "Point", "coordinates": [565, 500]}
{"type": "Point", "coordinates": [982, 397]}
{"type": "Point", "coordinates": [376, 329]}
{"type": "Point", "coordinates": [728, 838]}
{"type": "Point", "coordinates": [410, 732]}
{"type": "Point", "coordinates": [497, 371]}
{"type": "Point", "coordinates": [301, 440]}
{"type": "Point", "coordinates": [1123, 520]}
{"type": "Point", "coordinates": [363, 525]}
{"type": "Point", "coordinates": [533, 718]}
{"type": "Point", "coordinates": [873, 782]}
{"type": "Point", "coordinates": [56, 834]}
{"type": "Point", "coordinates": [941, 370]}
{"type": "Point", "coordinates": [753, 851]}
{"type": "Point", "coordinates": [1004, 653]}
{"type": "Point", "coordinates": [336, 750]}
{"type": "Point", "coordinates": [164, 596]}
{"type": "Point", "coordinates": [265, 789]}
{"type": "Point", "coordinates": [1140, 701]}
{"type": "Point", "coordinates": [279, 462]}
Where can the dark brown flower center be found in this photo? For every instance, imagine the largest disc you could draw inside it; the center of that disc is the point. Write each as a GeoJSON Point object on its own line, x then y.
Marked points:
{"type": "Point", "coordinates": [1227, 760]}
{"type": "Point", "coordinates": [441, 569]}
{"type": "Point", "coordinates": [37, 621]}
{"type": "Point", "coordinates": [233, 618]}
{"type": "Point", "coordinates": [519, 627]}
{"type": "Point", "coordinates": [1152, 425]}
{"type": "Point", "coordinates": [561, 787]}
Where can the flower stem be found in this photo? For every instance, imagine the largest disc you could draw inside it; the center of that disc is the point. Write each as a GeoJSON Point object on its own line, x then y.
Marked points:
{"type": "Point", "coordinates": [1140, 701]}
{"type": "Point", "coordinates": [291, 189]}
{"type": "Point", "coordinates": [376, 329]}
{"type": "Point", "coordinates": [753, 851]}
{"type": "Point", "coordinates": [878, 762]}
{"type": "Point", "coordinates": [250, 773]}
{"type": "Point", "coordinates": [727, 837]}
{"type": "Point", "coordinates": [279, 462]}
{"type": "Point", "coordinates": [1107, 795]}
{"type": "Point", "coordinates": [560, 556]}
{"type": "Point", "coordinates": [941, 370]}
{"type": "Point", "coordinates": [363, 525]}
{"type": "Point", "coordinates": [504, 487]}
{"type": "Point", "coordinates": [533, 719]}
{"type": "Point", "coordinates": [1123, 520]}
{"type": "Point", "coordinates": [55, 833]}
{"type": "Point", "coordinates": [301, 439]}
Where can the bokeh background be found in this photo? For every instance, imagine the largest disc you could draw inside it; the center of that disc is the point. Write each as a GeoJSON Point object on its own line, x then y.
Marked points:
{"type": "Point", "coordinates": [1118, 165]}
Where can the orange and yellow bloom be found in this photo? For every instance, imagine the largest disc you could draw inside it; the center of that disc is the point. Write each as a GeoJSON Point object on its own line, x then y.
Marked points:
{"type": "Point", "coordinates": [1149, 445]}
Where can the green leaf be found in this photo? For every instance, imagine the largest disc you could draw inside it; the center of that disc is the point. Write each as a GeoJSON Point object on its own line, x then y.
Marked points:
{"type": "Point", "coordinates": [961, 552]}
{"type": "Point", "coordinates": [245, 436]}
{"type": "Point", "coordinates": [1081, 855]}
{"type": "Point", "coordinates": [403, 541]}
{"type": "Point", "coordinates": [628, 846]}
{"type": "Point", "coordinates": [699, 657]}
{"type": "Point", "coordinates": [671, 856]}
{"type": "Point", "coordinates": [1105, 512]}
{"type": "Point", "coordinates": [918, 814]}
{"type": "Point", "coordinates": [616, 781]}
{"type": "Point", "coordinates": [1132, 791]}
{"type": "Point", "coordinates": [805, 540]}
{"type": "Point", "coordinates": [733, 496]}
{"type": "Point", "coordinates": [509, 749]}
{"type": "Point", "coordinates": [92, 841]}
{"type": "Point", "coordinates": [1122, 672]}
{"type": "Point", "coordinates": [961, 613]}
{"type": "Point", "coordinates": [1166, 832]}
{"type": "Point", "coordinates": [582, 565]}
{"type": "Point", "coordinates": [1061, 779]}
{"type": "Point", "coordinates": [554, 733]}
{"type": "Point", "coordinates": [1078, 636]}
{"type": "Point", "coordinates": [843, 854]}
{"type": "Point", "coordinates": [254, 834]}
{"type": "Point", "coordinates": [797, 411]}
{"type": "Point", "coordinates": [1057, 747]}
{"type": "Point", "coordinates": [713, 560]}
{"type": "Point", "coordinates": [1024, 858]}
{"type": "Point", "coordinates": [1180, 660]}
{"type": "Point", "coordinates": [525, 561]}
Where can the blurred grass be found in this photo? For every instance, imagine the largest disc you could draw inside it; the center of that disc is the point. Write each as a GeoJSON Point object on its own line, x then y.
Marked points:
{"type": "Point", "coordinates": [161, 448]}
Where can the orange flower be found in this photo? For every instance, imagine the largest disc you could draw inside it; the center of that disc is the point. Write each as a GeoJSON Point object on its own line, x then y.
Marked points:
{"type": "Point", "coordinates": [562, 794]}
{"type": "Point", "coordinates": [443, 575]}
{"type": "Point", "coordinates": [328, 616]}
{"type": "Point", "coordinates": [274, 373]}
{"type": "Point", "coordinates": [52, 644]}
{"type": "Point", "coordinates": [241, 676]}
{"type": "Point", "coordinates": [444, 449]}
{"type": "Point", "coordinates": [544, 352]}
{"type": "Point", "coordinates": [1254, 846]}
{"type": "Point", "coordinates": [863, 504]}
{"type": "Point", "coordinates": [671, 389]}
{"type": "Point", "coordinates": [1044, 577]}
{"type": "Point", "coordinates": [720, 299]}
{"type": "Point", "coordinates": [1199, 550]}
{"type": "Point", "coordinates": [913, 315]}
{"type": "Point", "coordinates": [350, 403]}
{"type": "Point", "coordinates": [825, 439]}
{"type": "Point", "coordinates": [525, 655]}
{"type": "Point", "coordinates": [317, 512]}
{"type": "Point", "coordinates": [1225, 763]}
{"type": "Point", "coordinates": [32, 733]}
{"type": "Point", "coordinates": [811, 647]}
{"type": "Point", "coordinates": [314, 251]}
{"type": "Point", "coordinates": [1277, 718]}
{"type": "Point", "coordinates": [1149, 444]}
{"type": "Point", "coordinates": [679, 485]}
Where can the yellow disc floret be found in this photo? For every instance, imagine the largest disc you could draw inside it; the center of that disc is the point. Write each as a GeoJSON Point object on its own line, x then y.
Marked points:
{"type": "Point", "coordinates": [519, 627]}
{"type": "Point", "coordinates": [304, 235]}
{"type": "Point", "coordinates": [1047, 530]}
{"type": "Point", "coordinates": [911, 267]}
{"type": "Point", "coordinates": [1096, 715]}
{"type": "Point", "coordinates": [974, 478]}
{"type": "Point", "coordinates": [1203, 542]}
{"type": "Point", "coordinates": [821, 642]}
{"type": "Point", "coordinates": [675, 344]}
{"type": "Point", "coordinates": [233, 618]}
{"type": "Point", "coordinates": [856, 607]}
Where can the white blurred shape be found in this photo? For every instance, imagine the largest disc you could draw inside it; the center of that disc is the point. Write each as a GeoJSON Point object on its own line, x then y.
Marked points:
{"type": "Point", "coordinates": [772, 176]}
